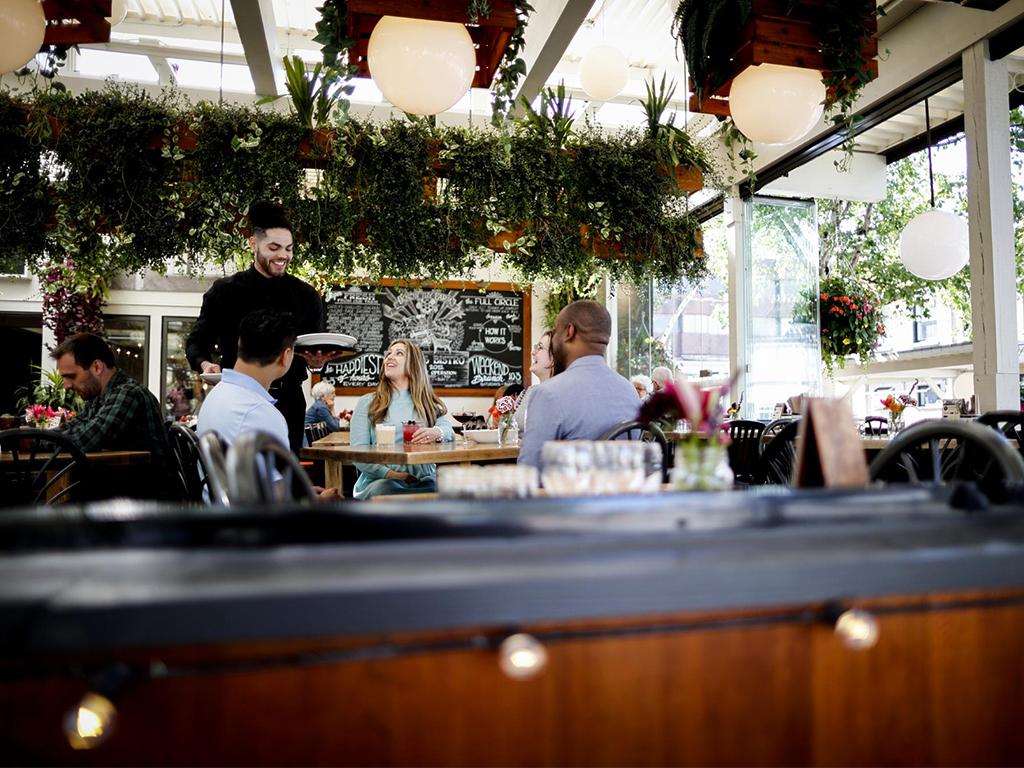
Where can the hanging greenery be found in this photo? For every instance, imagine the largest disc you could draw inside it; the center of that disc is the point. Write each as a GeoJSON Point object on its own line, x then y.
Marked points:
{"type": "Point", "coordinates": [122, 182]}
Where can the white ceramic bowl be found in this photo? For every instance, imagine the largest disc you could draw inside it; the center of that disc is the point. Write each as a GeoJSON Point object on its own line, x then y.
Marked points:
{"type": "Point", "coordinates": [482, 435]}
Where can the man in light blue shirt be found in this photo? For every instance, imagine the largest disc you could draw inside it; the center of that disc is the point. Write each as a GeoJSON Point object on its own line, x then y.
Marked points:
{"type": "Point", "coordinates": [586, 398]}
{"type": "Point", "coordinates": [241, 402]}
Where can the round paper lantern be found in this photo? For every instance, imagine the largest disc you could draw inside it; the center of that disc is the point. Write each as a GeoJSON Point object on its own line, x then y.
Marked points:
{"type": "Point", "coordinates": [118, 12]}
{"type": "Point", "coordinates": [935, 245]}
{"type": "Point", "coordinates": [603, 72]}
{"type": "Point", "coordinates": [422, 67]}
{"type": "Point", "coordinates": [22, 26]}
{"type": "Point", "coordinates": [773, 104]}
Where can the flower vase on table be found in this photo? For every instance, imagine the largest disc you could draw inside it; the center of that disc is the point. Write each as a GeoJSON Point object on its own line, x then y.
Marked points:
{"type": "Point", "coordinates": [701, 461]}
{"type": "Point", "coordinates": [895, 423]}
{"type": "Point", "coordinates": [504, 410]}
{"type": "Point", "coordinates": [895, 406]}
{"type": "Point", "coordinates": [701, 464]}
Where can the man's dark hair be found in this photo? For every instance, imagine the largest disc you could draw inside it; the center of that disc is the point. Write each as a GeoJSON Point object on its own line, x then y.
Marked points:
{"type": "Point", "coordinates": [85, 348]}
{"type": "Point", "coordinates": [264, 216]}
{"type": "Point", "coordinates": [264, 334]}
{"type": "Point", "coordinates": [592, 321]}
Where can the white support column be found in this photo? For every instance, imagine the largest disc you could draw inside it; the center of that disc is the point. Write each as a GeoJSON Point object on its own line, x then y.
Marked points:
{"type": "Point", "coordinates": [990, 208]}
{"type": "Point", "coordinates": [737, 224]}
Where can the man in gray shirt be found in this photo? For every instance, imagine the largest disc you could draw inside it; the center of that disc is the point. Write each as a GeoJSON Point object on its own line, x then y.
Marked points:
{"type": "Point", "coordinates": [586, 398]}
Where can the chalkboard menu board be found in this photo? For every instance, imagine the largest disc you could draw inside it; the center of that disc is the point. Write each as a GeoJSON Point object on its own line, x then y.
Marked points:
{"type": "Point", "coordinates": [475, 338]}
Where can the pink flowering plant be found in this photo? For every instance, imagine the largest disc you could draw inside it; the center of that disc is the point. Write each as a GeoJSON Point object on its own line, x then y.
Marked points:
{"type": "Point", "coordinates": [849, 321]}
{"type": "Point", "coordinates": [703, 409]}
{"type": "Point", "coordinates": [39, 416]}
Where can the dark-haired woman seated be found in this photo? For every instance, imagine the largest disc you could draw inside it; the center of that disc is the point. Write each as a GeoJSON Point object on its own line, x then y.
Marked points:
{"type": "Point", "coordinates": [403, 394]}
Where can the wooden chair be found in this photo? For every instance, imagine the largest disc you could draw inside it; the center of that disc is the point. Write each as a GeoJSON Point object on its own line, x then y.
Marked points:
{"type": "Point", "coordinates": [214, 464]}
{"type": "Point", "coordinates": [262, 471]}
{"type": "Point", "coordinates": [875, 426]}
{"type": "Point", "coordinates": [941, 451]}
{"type": "Point", "coordinates": [776, 462]}
{"type": "Point", "coordinates": [637, 430]}
{"type": "Point", "coordinates": [744, 448]}
{"type": "Point", "coordinates": [39, 466]}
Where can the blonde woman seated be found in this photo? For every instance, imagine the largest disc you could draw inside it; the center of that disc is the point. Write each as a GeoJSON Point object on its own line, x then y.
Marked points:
{"type": "Point", "coordinates": [403, 394]}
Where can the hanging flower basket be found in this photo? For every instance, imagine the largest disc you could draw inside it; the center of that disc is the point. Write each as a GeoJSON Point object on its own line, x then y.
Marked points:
{"type": "Point", "coordinates": [849, 319]}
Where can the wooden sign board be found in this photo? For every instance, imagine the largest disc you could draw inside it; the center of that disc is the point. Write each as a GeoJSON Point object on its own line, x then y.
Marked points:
{"type": "Point", "coordinates": [475, 336]}
{"type": "Point", "coordinates": [830, 453]}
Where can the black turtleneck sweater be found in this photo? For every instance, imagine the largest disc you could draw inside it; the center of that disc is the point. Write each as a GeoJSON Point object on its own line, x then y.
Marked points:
{"type": "Point", "coordinates": [230, 299]}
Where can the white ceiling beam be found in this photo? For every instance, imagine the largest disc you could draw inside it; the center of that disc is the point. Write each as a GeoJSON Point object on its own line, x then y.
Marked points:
{"type": "Point", "coordinates": [258, 32]}
{"type": "Point", "coordinates": [548, 36]}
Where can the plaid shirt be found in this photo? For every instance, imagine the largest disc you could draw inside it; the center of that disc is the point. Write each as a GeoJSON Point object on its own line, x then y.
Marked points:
{"type": "Point", "coordinates": [126, 416]}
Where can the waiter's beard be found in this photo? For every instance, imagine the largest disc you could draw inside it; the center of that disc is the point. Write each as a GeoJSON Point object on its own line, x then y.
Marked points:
{"type": "Point", "coordinates": [265, 265]}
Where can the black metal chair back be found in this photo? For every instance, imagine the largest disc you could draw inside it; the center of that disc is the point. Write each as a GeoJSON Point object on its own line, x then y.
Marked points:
{"type": "Point", "coordinates": [744, 448]}
{"type": "Point", "coordinates": [214, 464]}
{"type": "Point", "coordinates": [186, 463]}
{"type": "Point", "coordinates": [941, 451]}
{"type": "Point", "coordinates": [39, 466]}
{"type": "Point", "coordinates": [776, 462]}
{"type": "Point", "coordinates": [638, 430]}
{"type": "Point", "coordinates": [261, 470]}
{"type": "Point", "coordinates": [773, 429]}
{"type": "Point", "coordinates": [1009, 423]}
{"type": "Point", "coordinates": [316, 431]}
{"type": "Point", "coordinates": [875, 426]}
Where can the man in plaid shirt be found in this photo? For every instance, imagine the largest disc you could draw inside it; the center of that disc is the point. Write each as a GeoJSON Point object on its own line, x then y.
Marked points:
{"type": "Point", "coordinates": [120, 414]}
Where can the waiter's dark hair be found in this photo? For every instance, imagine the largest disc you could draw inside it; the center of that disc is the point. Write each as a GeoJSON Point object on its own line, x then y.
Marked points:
{"type": "Point", "coordinates": [264, 216]}
{"type": "Point", "coordinates": [264, 334]}
{"type": "Point", "coordinates": [85, 348]}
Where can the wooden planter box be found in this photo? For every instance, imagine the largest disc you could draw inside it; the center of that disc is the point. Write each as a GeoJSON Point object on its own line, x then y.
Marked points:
{"type": "Point", "coordinates": [491, 36]}
{"type": "Point", "coordinates": [770, 36]}
{"type": "Point", "coordinates": [688, 178]}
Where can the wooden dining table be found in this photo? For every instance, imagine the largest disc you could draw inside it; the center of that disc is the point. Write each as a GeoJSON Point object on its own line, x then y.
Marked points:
{"type": "Point", "coordinates": [335, 452]}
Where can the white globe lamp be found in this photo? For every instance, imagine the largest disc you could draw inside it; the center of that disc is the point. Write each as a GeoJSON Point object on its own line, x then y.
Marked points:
{"type": "Point", "coordinates": [22, 27]}
{"type": "Point", "coordinates": [935, 245]}
{"type": "Point", "coordinates": [773, 104]}
{"type": "Point", "coordinates": [603, 72]}
{"type": "Point", "coordinates": [118, 12]}
{"type": "Point", "coordinates": [422, 67]}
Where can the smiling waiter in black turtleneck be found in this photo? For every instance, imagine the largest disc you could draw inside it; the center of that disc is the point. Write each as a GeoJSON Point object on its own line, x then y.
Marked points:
{"type": "Point", "coordinates": [265, 285]}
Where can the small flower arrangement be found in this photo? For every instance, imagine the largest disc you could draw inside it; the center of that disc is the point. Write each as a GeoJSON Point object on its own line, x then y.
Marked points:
{"type": "Point", "coordinates": [503, 407]}
{"type": "Point", "coordinates": [345, 415]}
{"type": "Point", "coordinates": [43, 416]}
{"type": "Point", "coordinates": [896, 405]}
{"type": "Point", "coordinates": [849, 321]}
{"type": "Point", "coordinates": [702, 409]}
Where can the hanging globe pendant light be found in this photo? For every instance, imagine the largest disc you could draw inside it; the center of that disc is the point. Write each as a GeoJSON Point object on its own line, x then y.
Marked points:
{"type": "Point", "coordinates": [118, 12]}
{"type": "Point", "coordinates": [603, 72]}
{"type": "Point", "coordinates": [422, 67]}
{"type": "Point", "coordinates": [777, 105]}
{"type": "Point", "coordinates": [22, 28]}
{"type": "Point", "coordinates": [934, 245]}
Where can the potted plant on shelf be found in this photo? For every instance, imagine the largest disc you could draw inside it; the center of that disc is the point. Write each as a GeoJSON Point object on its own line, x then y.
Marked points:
{"type": "Point", "coordinates": [849, 320]}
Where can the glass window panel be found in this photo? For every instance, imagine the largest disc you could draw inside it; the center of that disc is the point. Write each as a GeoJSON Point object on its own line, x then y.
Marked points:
{"type": "Point", "coordinates": [129, 338]}
{"type": "Point", "coordinates": [783, 356]}
{"type": "Point", "coordinates": [182, 390]}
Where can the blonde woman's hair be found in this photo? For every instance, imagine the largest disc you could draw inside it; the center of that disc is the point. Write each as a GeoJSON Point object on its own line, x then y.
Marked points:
{"type": "Point", "coordinates": [428, 406]}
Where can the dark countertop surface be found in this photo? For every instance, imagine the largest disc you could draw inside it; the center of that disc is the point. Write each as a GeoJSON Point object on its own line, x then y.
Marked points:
{"type": "Point", "coordinates": [122, 575]}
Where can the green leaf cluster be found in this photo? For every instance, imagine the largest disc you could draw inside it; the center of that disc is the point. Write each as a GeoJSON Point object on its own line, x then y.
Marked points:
{"type": "Point", "coordinates": [123, 182]}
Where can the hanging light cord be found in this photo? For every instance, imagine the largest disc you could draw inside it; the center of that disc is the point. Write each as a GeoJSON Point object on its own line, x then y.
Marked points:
{"type": "Point", "coordinates": [220, 96]}
{"type": "Point", "coordinates": [928, 138]}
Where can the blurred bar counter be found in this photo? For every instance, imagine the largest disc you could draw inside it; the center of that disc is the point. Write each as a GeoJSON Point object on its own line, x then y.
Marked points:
{"type": "Point", "coordinates": [679, 629]}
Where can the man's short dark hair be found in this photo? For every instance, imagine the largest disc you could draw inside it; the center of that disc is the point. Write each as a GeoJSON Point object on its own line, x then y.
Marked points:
{"type": "Point", "coordinates": [264, 216]}
{"type": "Point", "coordinates": [264, 334]}
{"type": "Point", "coordinates": [85, 348]}
{"type": "Point", "coordinates": [592, 321]}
